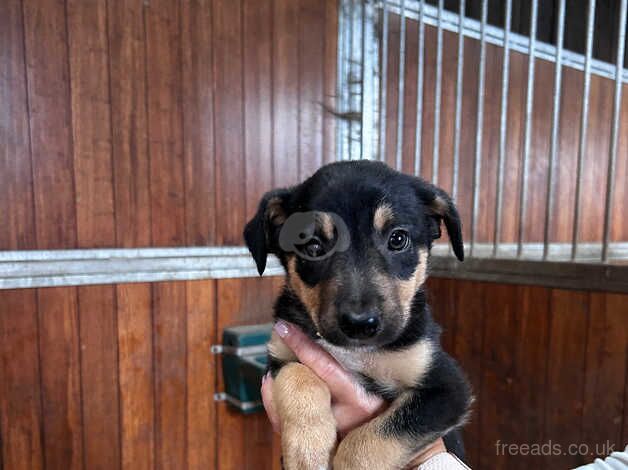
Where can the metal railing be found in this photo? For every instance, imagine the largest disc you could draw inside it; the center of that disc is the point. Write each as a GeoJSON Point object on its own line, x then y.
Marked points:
{"type": "Point", "coordinates": [363, 81]}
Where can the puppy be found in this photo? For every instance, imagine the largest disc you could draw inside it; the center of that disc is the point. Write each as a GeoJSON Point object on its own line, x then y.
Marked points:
{"type": "Point", "coordinates": [354, 240]}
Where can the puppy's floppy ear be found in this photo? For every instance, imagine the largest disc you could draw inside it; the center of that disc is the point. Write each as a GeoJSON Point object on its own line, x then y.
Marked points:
{"type": "Point", "coordinates": [441, 208]}
{"type": "Point", "coordinates": [262, 230]}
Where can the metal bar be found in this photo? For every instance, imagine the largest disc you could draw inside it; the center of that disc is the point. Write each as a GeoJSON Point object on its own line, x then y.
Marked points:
{"type": "Point", "coordinates": [384, 90]}
{"type": "Point", "coordinates": [419, 94]}
{"type": "Point", "coordinates": [523, 190]}
{"type": "Point", "coordinates": [400, 92]}
{"type": "Point", "coordinates": [558, 71]}
{"type": "Point", "coordinates": [495, 36]}
{"type": "Point", "coordinates": [437, 93]}
{"type": "Point", "coordinates": [612, 154]}
{"type": "Point", "coordinates": [458, 112]}
{"type": "Point", "coordinates": [503, 122]}
{"type": "Point", "coordinates": [584, 123]}
{"type": "Point", "coordinates": [50, 268]}
{"type": "Point", "coordinates": [479, 125]}
{"type": "Point", "coordinates": [370, 84]}
{"type": "Point", "coordinates": [341, 83]}
{"type": "Point", "coordinates": [351, 78]}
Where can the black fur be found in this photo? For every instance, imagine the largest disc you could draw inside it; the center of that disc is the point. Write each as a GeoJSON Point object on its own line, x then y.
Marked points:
{"type": "Point", "coordinates": [353, 190]}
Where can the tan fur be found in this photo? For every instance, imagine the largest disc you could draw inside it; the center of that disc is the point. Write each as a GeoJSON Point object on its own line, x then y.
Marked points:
{"type": "Point", "coordinates": [278, 349]}
{"type": "Point", "coordinates": [403, 291]}
{"type": "Point", "coordinates": [383, 215]}
{"type": "Point", "coordinates": [326, 224]}
{"type": "Point", "coordinates": [367, 448]}
{"type": "Point", "coordinates": [274, 211]}
{"type": "Point", "coordinates": [408, 287]}
{"type": "Point", "coordinates": [310, 296]}
{"type": "Point", "coordinates": [439, 205]}
{"type": "Point", "coordinates": [308, 428]}
{"type": "Point", "coordinates": [393, 369]}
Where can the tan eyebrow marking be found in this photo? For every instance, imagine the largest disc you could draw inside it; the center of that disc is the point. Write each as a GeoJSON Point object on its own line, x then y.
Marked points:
{"type": "Point", "coordinates": [327, 224]}
{"type": "Point", "coordinates": [383, 215]}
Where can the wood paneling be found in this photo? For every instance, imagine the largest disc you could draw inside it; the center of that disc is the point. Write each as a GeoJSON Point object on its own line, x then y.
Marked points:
{"type": "Point", "coordinates": [16, 184]}
{"type": "Point", "coordinates": [121, 376]}
{"type": "Point", "coordinates": [48, 87]}
{"type": "Point", "coordinates": [244, 441]}
{"type": "Point", "coordinates": [158, 123]}
{"type": "Point", "coordinates": [20, 391]}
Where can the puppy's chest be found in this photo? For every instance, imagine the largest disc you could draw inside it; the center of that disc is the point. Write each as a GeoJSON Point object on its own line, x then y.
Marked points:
{"type": "Point", "coordinates": [390, 369]}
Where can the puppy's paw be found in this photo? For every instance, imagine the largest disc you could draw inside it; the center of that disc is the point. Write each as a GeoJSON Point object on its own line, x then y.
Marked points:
{"type": "Point", "coordinates": [308, 428]}
{"type": "Point", "coordinates": [364, 448]}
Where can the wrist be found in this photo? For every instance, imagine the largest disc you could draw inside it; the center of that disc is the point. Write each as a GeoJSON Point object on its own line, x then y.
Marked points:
{"type": "Point", "coordinates": [426, 453]}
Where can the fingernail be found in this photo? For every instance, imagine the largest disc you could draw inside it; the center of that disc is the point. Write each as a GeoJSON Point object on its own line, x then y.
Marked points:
{"type": "Point", "coordinates": [281, 327]}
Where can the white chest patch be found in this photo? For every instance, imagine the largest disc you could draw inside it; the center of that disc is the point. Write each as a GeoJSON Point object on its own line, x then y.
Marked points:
{"type": "Point", "coordinates": [393, 369]}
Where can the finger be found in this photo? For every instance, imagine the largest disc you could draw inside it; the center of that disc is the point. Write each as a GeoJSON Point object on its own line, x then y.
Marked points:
{"type": "Point", "coordinates": [269, 404]}
{"type": "Point", "coordinates": [340, 383]}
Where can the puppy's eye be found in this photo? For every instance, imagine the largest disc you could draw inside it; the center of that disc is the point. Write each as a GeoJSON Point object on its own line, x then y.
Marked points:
{"type": "Point", "coordinates": [313, 248]}
{"type": "Point", "coordinates": [398, 240]}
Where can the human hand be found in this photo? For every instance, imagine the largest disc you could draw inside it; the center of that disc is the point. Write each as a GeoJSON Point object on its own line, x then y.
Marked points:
{"type": "Point", "coordinates": [351, 404]}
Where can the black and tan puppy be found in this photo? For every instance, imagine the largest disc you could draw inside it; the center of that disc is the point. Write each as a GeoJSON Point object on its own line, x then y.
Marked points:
{"type": "Point", "coordinates": [354, 239]}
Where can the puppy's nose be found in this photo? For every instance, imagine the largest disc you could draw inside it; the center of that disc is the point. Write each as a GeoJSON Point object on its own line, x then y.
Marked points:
{"type": "Point", "coordinates": [359, 325]}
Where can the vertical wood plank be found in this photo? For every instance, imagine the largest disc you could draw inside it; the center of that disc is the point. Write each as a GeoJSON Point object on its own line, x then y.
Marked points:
{"type": "Point", "coordinates": [228, 120]}
{"type": "Point", "coordinates": [531, 342]}
{"type": "Point", "coordinates": [91, 122]}
{"type": "Point", "coordinates": [20, 394]}
{"type": "Point", "coordinates": [16, 185]}
{"type": "Point", "coordinates": [257, 35]}
{"type": "Point", "coordinates": [285, 92]}
{"type": "Point", "coordinates": [201, 371]}
{"type": "Point", "coordinates": [311, 55]}
{"type": "Point", "coordinates": [99, 376]}
{"type": "Point", "coordinates": [605, 371]}
{"type": "Point", "coordinates": [170, 356]}
{"type": "Point", "coordinates": [468, 346]}
{"type": "Point", "coordinates": [127, 60]}
{"type": "Point", "coordinates": [60, 377]}
{"type": "Point", "coordinates": [137, 417]}
{"type": "Point", "coordinates": [198, 137]}
{"type": "Point", "coordinates": [498, 416]}
{"type": "Point", "coordinates": [565, 380]}
{"type": "Point", "coordinates": [49, 107]}
{"type": "Point", "coordinates": [245, 442]}
{"type": "Point", "coordinates": [167, 190]}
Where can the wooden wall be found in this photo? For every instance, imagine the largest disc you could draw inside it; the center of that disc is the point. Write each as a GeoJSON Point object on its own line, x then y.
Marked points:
{"type": "Point", "coordinates": [547, 366]}
{"type": "Point", "coordinates": [157, 123]}
{"type": "Point", "coordinates": [596, 154]}
{"type": "Point", "coordinates": [121, 376]}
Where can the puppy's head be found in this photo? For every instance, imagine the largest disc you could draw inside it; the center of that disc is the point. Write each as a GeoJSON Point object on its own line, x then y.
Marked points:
{"type": "Point", "coordinates": [354, 239]}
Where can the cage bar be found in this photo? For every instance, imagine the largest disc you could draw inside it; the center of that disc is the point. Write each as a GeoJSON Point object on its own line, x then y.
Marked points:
{"type": "Point", "coordinates": [437, 93]}
{"type": "Point", "coordinates": [458, 111]}
{"type": "Point", "coordinates": [477, 164]}
{"type": "Point", "coordinates": [523, 190]}
{"type": "Point", "coordinates": [384, 84]}
{"type": "Point", "coordinates": [400, 93]}
{"type": "Point", "coordinates": [503, 122]}
{"type": "Point", "coordinates": [558, 71]}
{"type": "Point", "coordinates": [584, 124]}
{"type": "Point", "coordinates": [612, 158]}
{"type": "Point", "coordinates": [419, 94]}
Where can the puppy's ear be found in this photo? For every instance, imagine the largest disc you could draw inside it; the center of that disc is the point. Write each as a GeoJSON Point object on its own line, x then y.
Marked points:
{"type": "Point", "coordinates": [262, 231]}
{"type": "Point", "coordinates": [441, 208]}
